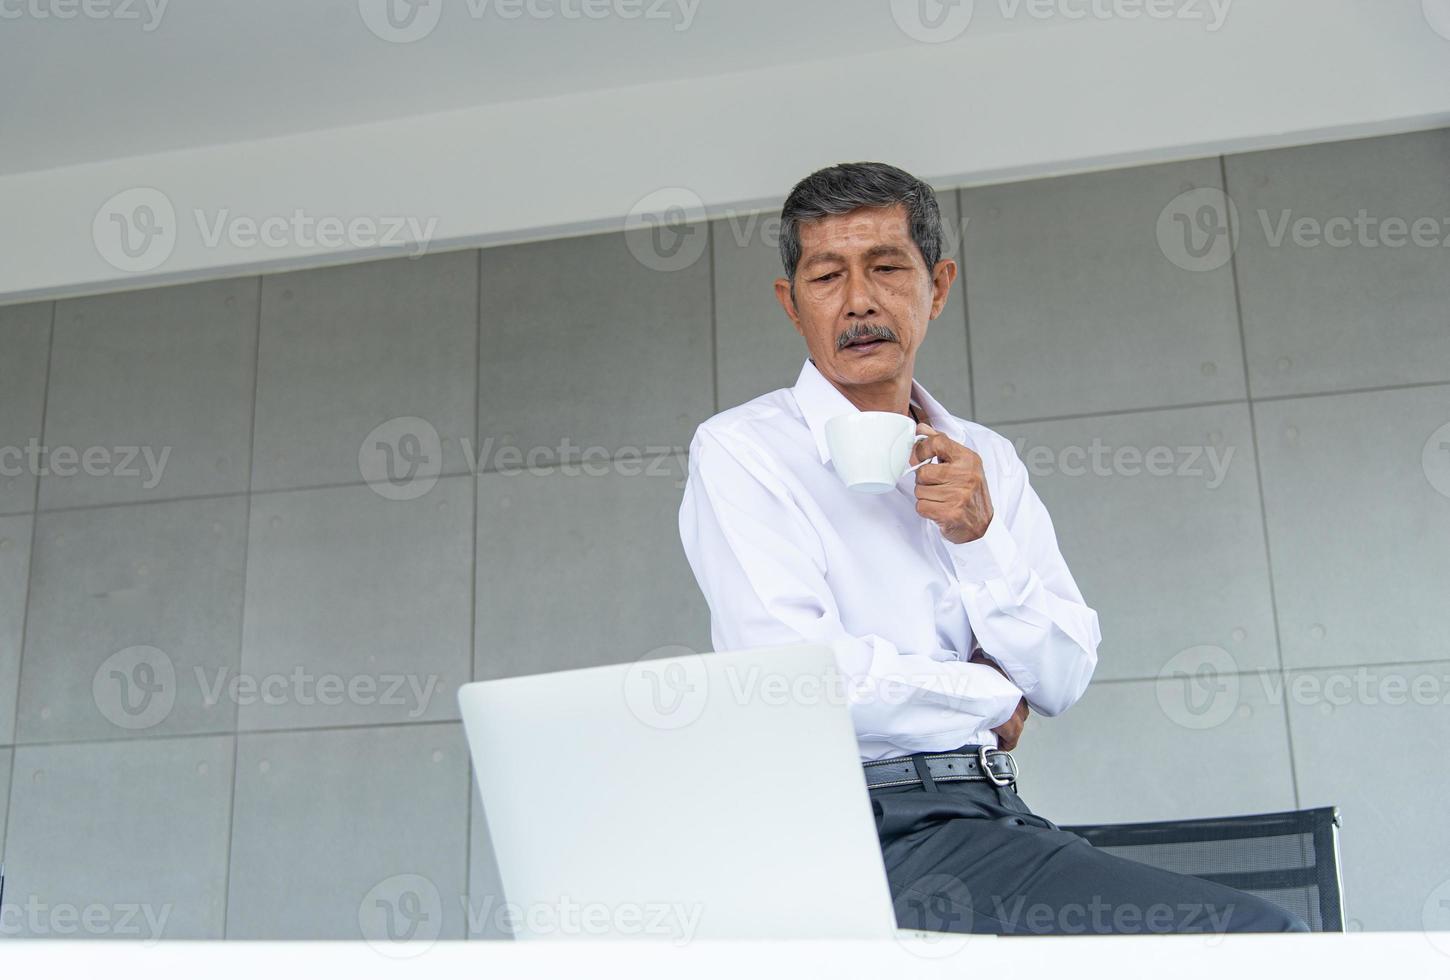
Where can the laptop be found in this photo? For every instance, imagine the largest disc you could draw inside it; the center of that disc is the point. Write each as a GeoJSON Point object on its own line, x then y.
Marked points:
{"type": "Point", "coordinates": [708, 796]}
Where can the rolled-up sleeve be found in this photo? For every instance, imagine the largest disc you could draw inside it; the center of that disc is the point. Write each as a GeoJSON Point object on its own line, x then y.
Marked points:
{"type": "Point", "coordinates": [762, 569]}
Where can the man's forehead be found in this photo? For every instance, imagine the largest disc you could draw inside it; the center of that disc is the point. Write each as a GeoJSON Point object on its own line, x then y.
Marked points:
{"type": "Point", "coordinates": [859, 229]}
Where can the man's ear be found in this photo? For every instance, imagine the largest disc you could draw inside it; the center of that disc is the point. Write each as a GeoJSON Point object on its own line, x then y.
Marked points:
{"type": "Point", "coordinates": [941, 285]}
{"type": "Point", "coordinates": [787, 303]}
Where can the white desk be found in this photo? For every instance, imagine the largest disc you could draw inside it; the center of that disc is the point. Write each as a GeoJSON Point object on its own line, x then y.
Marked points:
{"type": "Point", "coordinates": [1358, 955]}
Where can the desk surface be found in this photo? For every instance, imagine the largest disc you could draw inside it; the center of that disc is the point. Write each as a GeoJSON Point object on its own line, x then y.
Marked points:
{"type": "Point", "coordinates": [1240, 957]}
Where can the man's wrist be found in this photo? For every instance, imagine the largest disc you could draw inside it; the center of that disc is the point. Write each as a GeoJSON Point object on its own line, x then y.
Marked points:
{"type": "Point", "coordinates": [988, 557]}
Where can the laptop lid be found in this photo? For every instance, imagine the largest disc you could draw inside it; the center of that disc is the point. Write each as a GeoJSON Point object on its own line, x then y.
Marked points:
{"type": "Point", "coordinates": [715, 795]}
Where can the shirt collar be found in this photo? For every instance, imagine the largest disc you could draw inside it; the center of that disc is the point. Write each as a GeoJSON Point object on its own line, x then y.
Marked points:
{"type": "Point", "coordinates": [820, 401]}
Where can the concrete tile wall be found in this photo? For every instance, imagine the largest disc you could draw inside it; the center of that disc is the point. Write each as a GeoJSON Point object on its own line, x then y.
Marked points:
{"type": "Point", "coordinates": [1074, 309]}
{"type": "Point", "coordinates": [1135, 750]}
{"type": "Point", "coordinates": [113, 588]}
{"type": "Point", "coordinates": [1390, 724]}
{"type": "Point", "coordinates": [158, 369]}
{"type": "Point", "coordinates": [1360, 303]}
{"type": "Point", "coordinates": [1350, 500]}
{"type": "Point", "coordinates": [346, 348]}
{"type": "Point", "coordinates": [1323, 546]}
{"type": "Point", "coordinates": [612, 355]}
{"type": "Point", "coordinates": [619, 586]}
{"type": "Point", "coordinates": [1196, 532]}
{"type": "Point", "coordinates": [329, 823]}
{"type": "Point", "coordinates": [14, 569]}
{"type": "Point", "coordinates": [137, 829]}
{"type": "Point", "coordinates": [341, 578]}
{"type": "Point", "coordinates": [6, 757]}
{"type": "Point", "coordinates": [227, 682]}
{"type": "Point", "coordinates": [25, 338]}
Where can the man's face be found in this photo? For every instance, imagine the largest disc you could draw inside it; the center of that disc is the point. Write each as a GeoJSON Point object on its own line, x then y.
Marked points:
{"type": "Point", "coordinates": [863, 295]}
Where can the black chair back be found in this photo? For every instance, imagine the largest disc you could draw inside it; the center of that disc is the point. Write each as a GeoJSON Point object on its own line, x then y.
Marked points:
{"type": "Point", "coordinates": [1290, 859]}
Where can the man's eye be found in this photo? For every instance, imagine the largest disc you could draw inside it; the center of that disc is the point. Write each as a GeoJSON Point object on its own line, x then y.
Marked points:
{"type": "Point", "coordinates": [827, 277]}
{"type": "Point", "coordinates": [888, 268]}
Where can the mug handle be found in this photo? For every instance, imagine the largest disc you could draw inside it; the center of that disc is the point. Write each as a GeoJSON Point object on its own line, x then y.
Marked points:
{"type": "Point", "coordinates": [913, 469]}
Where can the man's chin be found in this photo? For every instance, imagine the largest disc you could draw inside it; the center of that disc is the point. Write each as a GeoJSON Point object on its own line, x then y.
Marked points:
{"type": "Point", "coordinates": [869, 369]}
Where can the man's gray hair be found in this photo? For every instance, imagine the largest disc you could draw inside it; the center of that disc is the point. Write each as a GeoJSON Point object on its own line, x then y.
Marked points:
{"type": "Point", "coordinates": [848, 186]}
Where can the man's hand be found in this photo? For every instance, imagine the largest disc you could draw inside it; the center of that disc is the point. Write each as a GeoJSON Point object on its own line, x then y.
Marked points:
{"type": "Point", "coordinates": [1010, 731]}
{"type": "Point", "coordinates": [953, 491]}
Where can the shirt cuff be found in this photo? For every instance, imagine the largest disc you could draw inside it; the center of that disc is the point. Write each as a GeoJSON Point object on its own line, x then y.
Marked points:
{"type": "Point", "coordinates": [988, 557]}
{"type": "Point", "coordinates": [1006, 694]}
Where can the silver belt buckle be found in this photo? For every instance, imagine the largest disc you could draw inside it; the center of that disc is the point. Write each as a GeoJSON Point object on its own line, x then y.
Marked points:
{"type": "Point", "coordinates": [992, 777]}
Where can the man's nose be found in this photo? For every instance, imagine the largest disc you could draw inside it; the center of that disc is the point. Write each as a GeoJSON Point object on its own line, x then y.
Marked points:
{"type": "Point", "coordinates": [859, 301]}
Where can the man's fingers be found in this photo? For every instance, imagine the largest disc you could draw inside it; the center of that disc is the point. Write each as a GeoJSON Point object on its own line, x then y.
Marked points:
{"type": "Point", "coordinates": [936, 492]}
{"type": "Point", "coordinates": [934, 510]}
{"type": "Point", "coordinates": [942, 446]}
{"type": "Point", "coordinates": [935, 444]}
{"type": "Point", "coordinates": [939, 446]}
{"type": "Point", "coordinates": [947, 474]}
{"type": "Point", "coordinates": [933, 473]}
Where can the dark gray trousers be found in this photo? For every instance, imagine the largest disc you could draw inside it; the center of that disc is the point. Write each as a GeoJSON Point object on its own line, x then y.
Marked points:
{"type": "Point", "coordinates": [971, 857]}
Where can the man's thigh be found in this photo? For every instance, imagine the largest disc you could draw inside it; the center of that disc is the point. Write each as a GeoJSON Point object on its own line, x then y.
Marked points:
{"type": "Point", "coordinates": [993, 870]}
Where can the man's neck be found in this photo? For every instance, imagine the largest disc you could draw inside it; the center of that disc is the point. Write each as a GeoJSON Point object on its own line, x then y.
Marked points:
{"type": "Point", "coordinates": [893, 395]}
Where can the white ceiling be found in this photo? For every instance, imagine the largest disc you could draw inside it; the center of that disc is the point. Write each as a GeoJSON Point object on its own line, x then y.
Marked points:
{"type": "Point", "coordinates": [191, 73]}
{"type": "Point", "coordinates": [256, 110]}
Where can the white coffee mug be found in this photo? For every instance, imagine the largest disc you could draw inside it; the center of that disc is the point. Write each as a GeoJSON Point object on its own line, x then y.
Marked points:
{"type": "Point", "coordinates": [870, 450]}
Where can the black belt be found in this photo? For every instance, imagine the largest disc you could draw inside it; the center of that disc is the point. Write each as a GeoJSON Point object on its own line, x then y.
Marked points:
{"type": "Point", "coordinates": [985, 764]}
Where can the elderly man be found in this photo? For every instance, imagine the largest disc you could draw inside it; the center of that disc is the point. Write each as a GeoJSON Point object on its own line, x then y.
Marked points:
{"type": "Point", "coordinates": [946, 600]}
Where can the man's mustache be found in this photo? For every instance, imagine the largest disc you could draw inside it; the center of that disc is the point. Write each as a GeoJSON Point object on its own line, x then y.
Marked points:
{"type": "Point", "coordinates": [866, 331]}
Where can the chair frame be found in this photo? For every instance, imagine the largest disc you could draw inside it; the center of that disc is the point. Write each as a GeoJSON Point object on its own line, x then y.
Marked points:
{"type": "Point", "coordinates": [1322, 823]}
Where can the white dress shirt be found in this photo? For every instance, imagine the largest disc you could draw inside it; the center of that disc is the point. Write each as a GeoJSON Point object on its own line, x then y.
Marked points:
{"type": "Point", "coordinates": [785, 553]}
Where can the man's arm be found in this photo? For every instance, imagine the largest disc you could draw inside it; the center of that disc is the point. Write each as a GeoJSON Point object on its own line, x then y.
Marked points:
{"type": "Point", "coordinates": [1021, 600]}
{"type": "Point", "coordinates": [760, 566]}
